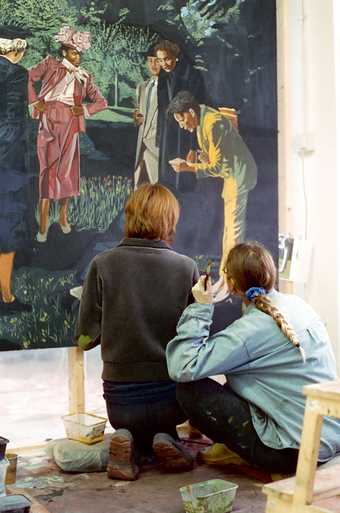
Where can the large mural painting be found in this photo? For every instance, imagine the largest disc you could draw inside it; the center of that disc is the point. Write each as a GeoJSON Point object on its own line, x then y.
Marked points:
{"type": "Point", "coordinates": [97, 97]}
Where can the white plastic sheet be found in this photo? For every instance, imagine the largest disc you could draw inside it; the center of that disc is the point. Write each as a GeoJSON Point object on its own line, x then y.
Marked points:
{"type": "Point", "coordinates": [34, 393]}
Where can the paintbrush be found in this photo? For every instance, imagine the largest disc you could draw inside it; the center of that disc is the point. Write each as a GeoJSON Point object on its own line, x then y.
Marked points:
{"type": "Point", "coordinates": [207, 273]}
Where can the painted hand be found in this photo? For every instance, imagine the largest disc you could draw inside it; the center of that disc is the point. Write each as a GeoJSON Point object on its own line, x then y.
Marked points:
{"type": "Point", "coordinates": [179, 165]}
{"type": "Point", "coordinates": [40, 106]}
{"type": "Point", "coordinates": [77, 110]}
{"type": "Point", "coordinates": [191, 156]}
{"type": "Point", "coordinates": [137, 117]}
{"type": "Point", "coordinates": [203, 157]}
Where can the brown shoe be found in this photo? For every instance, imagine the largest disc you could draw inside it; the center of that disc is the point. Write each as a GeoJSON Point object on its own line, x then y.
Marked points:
{"type": "Point", "coordinates": [121, 463]}
{"type": "Point", "coordinates": [171, 456]}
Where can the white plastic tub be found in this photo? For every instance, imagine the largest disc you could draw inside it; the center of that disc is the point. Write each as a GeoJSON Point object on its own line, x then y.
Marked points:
{"type": "Point", "coordinates": [213, 496]}
{"type": "Point", "coordinates": [84, 427]}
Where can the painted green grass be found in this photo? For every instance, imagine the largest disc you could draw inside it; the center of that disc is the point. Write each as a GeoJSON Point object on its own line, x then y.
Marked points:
{"type": "Point", "coordinates": [100, 201]}
{"type": "Point", "coordinates": [114, 115]}
{"type": "Point", "coordinates": [49, 324]}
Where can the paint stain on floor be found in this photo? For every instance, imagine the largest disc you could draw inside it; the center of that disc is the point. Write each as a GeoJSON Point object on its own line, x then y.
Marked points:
{"type": "Point", "coordinates": [153, 492]}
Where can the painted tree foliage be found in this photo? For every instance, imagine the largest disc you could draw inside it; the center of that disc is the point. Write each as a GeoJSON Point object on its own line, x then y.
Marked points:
{"type": "Point", "coordinates": [116, 56]}
{"type": "Point", "coordinates": [202, 18]}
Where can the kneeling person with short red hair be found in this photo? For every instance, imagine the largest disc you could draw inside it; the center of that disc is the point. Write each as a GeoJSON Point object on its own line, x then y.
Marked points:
{"type": "Point", "coordinates": [132, 299]}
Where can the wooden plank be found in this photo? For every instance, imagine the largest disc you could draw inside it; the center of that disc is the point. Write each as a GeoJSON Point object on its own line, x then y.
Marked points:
{"type": "Point", "coordinates": [326, 407]}
{"type": "Point", "coordinates": [327, 484]}
{"type": "Point", "coordinates": [28, 449]}
{"type": "Point", "coordinates": [278, 506]}
{"type": "Point", "coordinates": [329, 390]}
{"type": "Point", "coordinates": [308, 456]}
{"type": "Point", "coordinates": [281, 506]}
{"type": "Point", "coordinates": [280, 490]}
{"type": "Point", "coordinates": [76, 380]}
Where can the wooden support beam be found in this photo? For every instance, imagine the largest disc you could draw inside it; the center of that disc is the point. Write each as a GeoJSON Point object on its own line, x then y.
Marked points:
{"type": "Point", "coordinates": [311, 491]}
{"type": "Point", "coordinates": [76, 380]}
{"type": "Point", "coordinates": [308, 457]}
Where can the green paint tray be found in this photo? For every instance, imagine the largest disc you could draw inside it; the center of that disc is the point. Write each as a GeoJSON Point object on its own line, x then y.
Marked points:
{"type": "Point", "coordinates": [213, 496]}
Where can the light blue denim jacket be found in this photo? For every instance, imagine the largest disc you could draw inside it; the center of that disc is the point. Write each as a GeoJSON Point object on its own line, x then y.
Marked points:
{"type": "Point", "coordinates": [261, 365]}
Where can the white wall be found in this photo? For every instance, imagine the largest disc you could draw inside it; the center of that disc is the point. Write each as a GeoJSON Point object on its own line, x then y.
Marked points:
{"type": "Point", "coordinates": [309, 146]}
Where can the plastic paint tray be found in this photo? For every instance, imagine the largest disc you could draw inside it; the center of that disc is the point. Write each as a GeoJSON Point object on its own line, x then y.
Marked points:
{"type": "Point", "coordinates": [14, 504]}
{"type": "Point", "coordinates": [11, 474]}
{"type": "Point", "coordinates": [213, 496]}
{"type": "Point", "coordinates": [84, 427]}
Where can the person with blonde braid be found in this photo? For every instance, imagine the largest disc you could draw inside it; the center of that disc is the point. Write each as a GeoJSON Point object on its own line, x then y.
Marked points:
{"type": "Point", "coordinates": [278, 345]}
{"type": "Point", "coordinates": [263, 303]}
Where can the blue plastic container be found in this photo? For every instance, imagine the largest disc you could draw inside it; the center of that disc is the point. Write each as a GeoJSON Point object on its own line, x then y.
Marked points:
{"type": "Point", "coordinates": [15, 504]}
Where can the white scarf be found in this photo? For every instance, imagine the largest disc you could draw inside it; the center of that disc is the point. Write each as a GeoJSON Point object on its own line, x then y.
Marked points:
{"type": "Point", "coordinates": [80, 74]}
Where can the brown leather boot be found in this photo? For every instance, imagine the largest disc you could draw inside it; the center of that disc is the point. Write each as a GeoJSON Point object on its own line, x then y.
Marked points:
{"type": "Point", "coordinates": [122, 463]}
{"type": "Point", "coordinates": [170, 454]}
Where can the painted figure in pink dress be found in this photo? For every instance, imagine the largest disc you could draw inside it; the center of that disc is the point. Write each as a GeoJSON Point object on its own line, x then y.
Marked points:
{"type": "Point", "coordinates": [60, 107]}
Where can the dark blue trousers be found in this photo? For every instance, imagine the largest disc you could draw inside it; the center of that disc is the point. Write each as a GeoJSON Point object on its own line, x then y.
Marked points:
{"type": "Point", "coordinates": [144, 409]}
{"type": "Point", "coordinates": [223, 416]}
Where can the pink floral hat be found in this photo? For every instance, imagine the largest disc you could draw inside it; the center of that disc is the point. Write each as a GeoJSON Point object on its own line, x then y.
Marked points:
{"type": "Point", "coordinates": [71, 38]}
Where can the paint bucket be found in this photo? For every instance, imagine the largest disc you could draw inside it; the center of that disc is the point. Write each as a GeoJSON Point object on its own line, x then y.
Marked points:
{"type": "Point", "coordinates": [11, 475]}
{"type": "Point", "coordinates": [3, 443]}
{"type": "Point", "coordinates": [85, 427]}
{"type": "Point", "coordinates": [213, 496]}
{"type": "Point", "coordinates": [15, 504]}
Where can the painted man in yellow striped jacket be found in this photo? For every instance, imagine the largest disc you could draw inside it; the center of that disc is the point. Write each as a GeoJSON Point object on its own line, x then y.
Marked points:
{"type": "Point", "coordinates": [224, 155]}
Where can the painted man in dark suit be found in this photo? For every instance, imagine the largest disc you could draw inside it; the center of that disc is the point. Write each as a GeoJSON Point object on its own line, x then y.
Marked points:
{"type": "Point", "coordinates": [177, 73]}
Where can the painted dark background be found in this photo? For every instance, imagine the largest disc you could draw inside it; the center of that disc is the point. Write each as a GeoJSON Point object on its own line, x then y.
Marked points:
{"type": "Point", "coordinates": [233, 43]}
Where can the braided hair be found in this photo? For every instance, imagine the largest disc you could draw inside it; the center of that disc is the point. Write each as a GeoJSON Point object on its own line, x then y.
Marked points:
{"type": "Point", "coordinates": [253, 271]}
